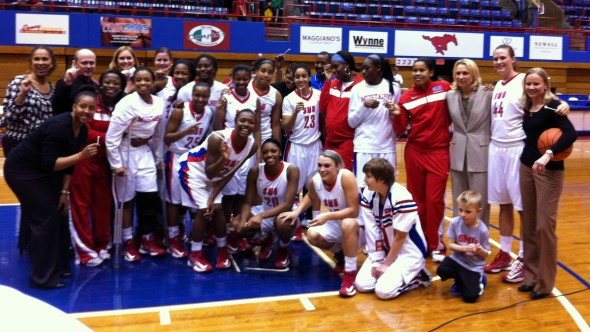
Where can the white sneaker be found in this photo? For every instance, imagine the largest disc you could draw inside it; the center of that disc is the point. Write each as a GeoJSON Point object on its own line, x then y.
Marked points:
{"type": "Point", "coordinates": [104, 254]}
{"type": "Point", "coordinates": [96, 261]}
{"type": "Point", "coordinates": [438, 256]}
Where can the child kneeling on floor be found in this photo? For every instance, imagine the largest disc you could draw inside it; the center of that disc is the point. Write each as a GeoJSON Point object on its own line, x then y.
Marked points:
{"type": "Point", "coordinates": [468, 238]}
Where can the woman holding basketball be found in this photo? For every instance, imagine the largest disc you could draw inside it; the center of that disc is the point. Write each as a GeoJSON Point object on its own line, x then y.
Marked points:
{"type": "Point", "coordinates": [541, 182]}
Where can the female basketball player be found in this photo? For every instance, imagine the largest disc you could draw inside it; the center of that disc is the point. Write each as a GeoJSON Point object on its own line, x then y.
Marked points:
{"type": "Point", "coordinates": [270, 99]}
{"type": "Point", "coordinates": [204, 171]}
{"type": "Point", "coordinates": [334, 187]}
{"type": "Point", "coordinates": [185, 130]}
{"type": "Point", "coordinates": [206, 71]}
{"type": "Point", "coordinates": [275, 182]}
{"type": "Point", "coordinates": [134, 123]}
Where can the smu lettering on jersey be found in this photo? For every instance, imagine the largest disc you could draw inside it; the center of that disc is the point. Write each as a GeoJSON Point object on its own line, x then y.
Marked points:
{"type": "Point", "coordinates": [332, 197]}
{"type": "Point", "coordinates": [507, 112]}
{"type": "Point", "coordinates": [272, 190]}
{"type": "Point", "coordinates": [306, 128]}
{"type": "Point", "coordinates": [189, 119]}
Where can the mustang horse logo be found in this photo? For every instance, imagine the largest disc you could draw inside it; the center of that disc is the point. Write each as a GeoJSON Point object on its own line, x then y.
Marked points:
{"type": "Point", "coordinates": [441, 43]}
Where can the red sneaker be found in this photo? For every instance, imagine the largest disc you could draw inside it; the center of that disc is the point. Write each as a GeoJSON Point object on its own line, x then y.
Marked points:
{"type": "Point", "coordinates": [130, 251]}
{"type": "Point", "coordinates": [176, 247]}
{"type": "Point", "coordinates": [282, 261]}
{"type": "Point", "coordinates": [222, 259]}
{"type": "Point", "coordinates": [149, 246]}
{"type": "Point", "coordinates": [502, 261]}
{"type": "Point", "coordinates": [266, 247]}
{"type": "Point", "coordinates": [348, 289]}
{"type": "Point", "coordinates": [198, 262]}
{"type": "Point", "coordinates": [298, 236]}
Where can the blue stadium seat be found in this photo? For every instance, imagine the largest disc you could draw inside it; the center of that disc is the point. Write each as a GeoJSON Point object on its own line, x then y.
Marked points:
{"type": "Point", "coordinates": [398, 10]}
{"type": "Point", "coordinates": [444, 11]}
{"type": "Point", "coordinates": [516, 24]}
{"type": "Point", "coordinates": [506, 14]}
{"type": "Point", "coordinates": [364, 17]}
{"type": "Point", "coordinates": [485, 13]}
{"type": "Point", "coordinates": [411, 19]}
{"type": "Point", "coordinates": [360, 8]}
{"type": "Point", "coordinates": [340, 16]}
{"type": "Point", "coordinates": [474, 13]}
{"type": "Point", "coordinates": [496, 14]}
{"type": "Point", "coordinates": [496, 23]}
{"type": "Point", "coordinates": [453, 12]}
{"type": "Point", "coordinates": [387, 19]}
{"type": "Point", "coordinates": [334, 7]}
{"type": "Point", "coordinates": [432, 11]}
{"type": "Point", "coordinates": [507, 24]}
{"type": "Point", "coordinates": [424, 20]}
{"type": "Point", "coordinates": [409, 10]}
{"type": "Point", "coordinates": [436, 20]}
{"type": "Point", "coordinates": [432, 3]}
{"type": "Point", "coordinates": [486, 4]}
{"type": "Point", "coordinates": [373, 9]}
{"type": "Point", "coordinates": [386, 9]}
{"type": "Point", "coordinates": [496, 4]}
{"type": "Point", "coordinates": [346, 7]}
{"type": "Point", "coordinates": [462, 21]}
{"type": "Point", "coordinates": [473, 22]}
{"type": "Point", "coordinates": [420, 10]}
{"type": "Point", "coordinates": [452, 4]}
{"type": "Point", "coordinates": [376, 18]}
{"type": "Point", "coordinates": [464, 12]}
{"type": "Point", "coordinates": [485, 23]}
{"type": "Point", "coordinates": [449, 21]}
{"type": "Point", "coordinates": [400, 18]}
{"type": "Point", "coordinates": [464, 3]}
{"type": "Point", "coordinates": [419, 2]}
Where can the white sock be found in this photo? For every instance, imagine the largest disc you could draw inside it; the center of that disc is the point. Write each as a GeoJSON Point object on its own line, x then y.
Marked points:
{"type": "Point", "coordinates": [173, 231]}
{"type": "Point", "coordinates": [284, 245]}
{"type": "Point", "coordinates": [506, 243]}
{"type": "Point", "coordinates": [221, 242]}
{"type": "Point", "coordinates": [521, 251]}
{"type": "Point", "coordinates": [349, 264]}
{"type": "Point", "coordinates": [127, 234]}
{"type": "Point", "coordinates": [196, 246]}
{"type": "Point", "coordinates": [146, 236]}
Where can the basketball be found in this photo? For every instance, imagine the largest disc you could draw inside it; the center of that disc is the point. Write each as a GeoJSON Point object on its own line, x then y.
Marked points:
{"type": "Point", "coordinates": [550, 137]}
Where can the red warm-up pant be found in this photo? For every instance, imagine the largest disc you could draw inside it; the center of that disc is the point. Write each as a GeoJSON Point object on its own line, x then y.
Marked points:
{"type": "Point", "coordinates": [427, 173]}
{"type": "Point", "coordinates": [345, 149]}
{"type": "Point", "coordinates": [91, 205]}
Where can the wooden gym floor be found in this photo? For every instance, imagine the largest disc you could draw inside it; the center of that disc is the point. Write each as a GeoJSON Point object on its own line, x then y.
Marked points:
{"type": "Point", "coordinates": [501, 307]}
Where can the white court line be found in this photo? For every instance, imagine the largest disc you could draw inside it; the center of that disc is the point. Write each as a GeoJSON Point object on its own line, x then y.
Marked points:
{"type": "Point", "coordinates": [307, 304]}
{"type": "Point", "coordinates": [233, 263]}
{"type": "Point", "coordinates": [567, 305]}
{"type": "Point", "coordinates": [319, 252]}
{"type": "Point", "coordinates": [165, 317]}
{"type": "Point", "coordinates": [10, 204]}
{"type": "Point", "coordinates": [200, 305]}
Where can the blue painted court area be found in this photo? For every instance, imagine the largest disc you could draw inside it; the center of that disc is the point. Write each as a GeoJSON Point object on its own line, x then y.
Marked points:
{"type": "Point", "coordinates": [165, 281]}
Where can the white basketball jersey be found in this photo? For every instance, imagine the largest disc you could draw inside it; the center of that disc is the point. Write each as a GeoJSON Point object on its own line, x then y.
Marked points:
{"type": "Point", "coordinates": [267, 102]}
{"type": "Point", "coordinates": [332, 197]}
{"type": "Point", "coordinates": [272, 190]}
{"type": "Point", "coordinates": [306, 128]}
{"type": "Point", "coordinates": [507, 112]}
{"type": "Point", "coordinates": [192, 163]}
{"type": "Point", "coordinates": [189, 119]}
{"type": "Point", "coordinates": [235, 104]}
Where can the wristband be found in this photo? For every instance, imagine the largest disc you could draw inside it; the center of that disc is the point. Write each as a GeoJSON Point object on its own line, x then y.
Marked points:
{"type": "Point", "coordinates": [65, 192]}
{"type": "Point", "coordinates": [550, 153]}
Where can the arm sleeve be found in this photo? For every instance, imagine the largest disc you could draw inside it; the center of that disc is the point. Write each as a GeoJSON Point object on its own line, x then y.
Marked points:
{"type": "Point", "coordinates": [60, 96]}
{"type": "Point", "coordinates": [120, 121]}
{"type": "Point", "coordinates": [325, 97]}
{"type": "Point", "coordinates": [10, 107]}
{"type": "Point", "coordinates": [356, 109]}
{"type": "Point", "coordinates": [568, 136]}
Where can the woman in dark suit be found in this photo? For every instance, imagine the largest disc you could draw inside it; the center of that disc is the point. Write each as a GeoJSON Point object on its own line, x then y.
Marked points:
{"type": "Point", "coordinates": [38, 170]}
{"type": "Point", "coordinates": [470, 110]}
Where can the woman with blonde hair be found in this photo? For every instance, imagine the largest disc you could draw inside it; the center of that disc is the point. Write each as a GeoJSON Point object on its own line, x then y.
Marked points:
{"type": "Point", "coordinates": [541, 183]}
{"type": "Point", "coordinates": [125, 60]}
{"type": "Point", "coordinates": [469, 104]}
